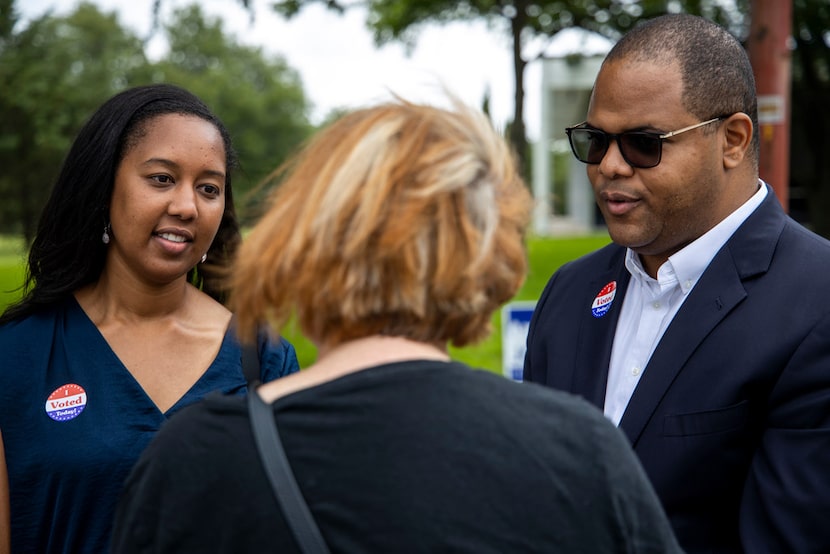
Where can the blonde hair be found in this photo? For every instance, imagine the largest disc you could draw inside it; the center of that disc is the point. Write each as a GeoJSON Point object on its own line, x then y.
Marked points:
{"type": "Point", "coordinates": [401, 219]}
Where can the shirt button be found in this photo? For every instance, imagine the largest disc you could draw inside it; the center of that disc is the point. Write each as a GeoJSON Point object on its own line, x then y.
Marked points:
{"type": "Point", "coordinates": [635, 371]}
{"type": "Point", "coordinates": [656, 305]}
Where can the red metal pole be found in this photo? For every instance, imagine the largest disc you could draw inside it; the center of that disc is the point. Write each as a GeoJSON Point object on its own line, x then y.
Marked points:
{"type": "Point", "coordinates": [769, 52]}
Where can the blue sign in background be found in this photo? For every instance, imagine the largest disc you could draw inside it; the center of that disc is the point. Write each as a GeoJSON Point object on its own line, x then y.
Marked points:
{"type": "Point", "coordinates": [515, 322]}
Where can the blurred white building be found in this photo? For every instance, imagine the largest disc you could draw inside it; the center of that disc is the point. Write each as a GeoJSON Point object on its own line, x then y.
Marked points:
{"type": "Point", "coordinates": [564, 201]}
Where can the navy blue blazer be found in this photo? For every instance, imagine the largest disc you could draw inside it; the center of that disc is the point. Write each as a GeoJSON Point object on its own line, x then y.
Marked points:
{"type": "Point", "coordinates": [731, 416]}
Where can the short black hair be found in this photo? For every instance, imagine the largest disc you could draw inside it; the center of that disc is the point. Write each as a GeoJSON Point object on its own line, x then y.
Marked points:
{"type": "Point", "coordinates": [67, 252]}
{"type": "Point", "coordinates": [715, 68]}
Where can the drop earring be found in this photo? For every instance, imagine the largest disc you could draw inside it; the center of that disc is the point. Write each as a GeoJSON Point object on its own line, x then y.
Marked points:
{"type": "Point", "coordinates": [204, 257]}
{"type": "Point", "coordinates": [105, 238]}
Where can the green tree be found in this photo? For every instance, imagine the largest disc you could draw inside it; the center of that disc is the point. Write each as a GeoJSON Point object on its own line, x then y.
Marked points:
{"type": "Point", "coordinates": [259, 97]}
{"type": "Point", "coordinates": [8, 18]}
{"type": "Point", "coordinates": [57, 70]}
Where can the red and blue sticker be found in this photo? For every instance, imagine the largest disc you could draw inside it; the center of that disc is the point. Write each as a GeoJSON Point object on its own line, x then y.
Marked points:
{"type": "Point", "coordinates": [604, 299]}
{"type": "Point", "coordinates": [67, 402]}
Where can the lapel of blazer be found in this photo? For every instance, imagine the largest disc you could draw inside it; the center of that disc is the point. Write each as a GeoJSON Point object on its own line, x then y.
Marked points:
{"type": "Point", "coordinates": [747, 253]}
{"type": "Point", "coordinates": [596, 334]}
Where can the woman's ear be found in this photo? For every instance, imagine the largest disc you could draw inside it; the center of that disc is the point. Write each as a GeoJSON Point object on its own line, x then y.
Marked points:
{"type": "Point", "coordinates": [738, 134]}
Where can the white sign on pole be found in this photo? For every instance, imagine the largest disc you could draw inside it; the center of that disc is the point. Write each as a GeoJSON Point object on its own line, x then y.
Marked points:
{"type": "Point", "coordinates": [515, 322]}
{"type": "Point", "coordinates": [770, 109]}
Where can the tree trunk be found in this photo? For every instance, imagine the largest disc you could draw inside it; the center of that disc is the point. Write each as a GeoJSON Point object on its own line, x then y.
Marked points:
{"type": "Point", "coordinates": [517, 135]}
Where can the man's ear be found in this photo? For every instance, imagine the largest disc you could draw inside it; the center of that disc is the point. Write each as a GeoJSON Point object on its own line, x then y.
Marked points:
{"type": "Point", "coordinates": [738, 137]}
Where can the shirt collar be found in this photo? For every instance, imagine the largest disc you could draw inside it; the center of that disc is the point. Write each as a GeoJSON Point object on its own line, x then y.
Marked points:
{"type": "Point", "coordinates": [689, 263]}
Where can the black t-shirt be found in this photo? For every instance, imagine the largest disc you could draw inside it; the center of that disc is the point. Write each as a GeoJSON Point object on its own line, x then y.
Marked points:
{"type": "Point", "coordinates": [416, 456]}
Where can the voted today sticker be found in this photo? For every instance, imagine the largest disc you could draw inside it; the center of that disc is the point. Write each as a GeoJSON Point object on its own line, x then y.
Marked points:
{"type": "Point", "coordinates": [603, 300]}
{"type": "Point", "coordinates": [67, 402]}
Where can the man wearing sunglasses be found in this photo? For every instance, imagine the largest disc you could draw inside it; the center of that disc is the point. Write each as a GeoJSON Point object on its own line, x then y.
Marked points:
{"type": "Point", "coordinates": [704, 330]}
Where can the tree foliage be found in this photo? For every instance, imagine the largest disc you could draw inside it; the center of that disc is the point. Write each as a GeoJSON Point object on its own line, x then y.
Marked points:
{"type": "Point", "coordinates": [60, 69]}
{"type": "Point", "coordinates": [8, 18]}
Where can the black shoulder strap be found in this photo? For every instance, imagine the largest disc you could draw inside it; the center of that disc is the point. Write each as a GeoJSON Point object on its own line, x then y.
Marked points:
{"type": "Point", "coordinates": [250, 357]}
{"type": "Point", "coordinates": [250, 363]}
{"type": "Point", "coordinates": [276, 465]}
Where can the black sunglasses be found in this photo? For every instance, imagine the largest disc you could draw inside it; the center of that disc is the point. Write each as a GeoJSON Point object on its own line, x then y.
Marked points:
{"type": "Point", "coordinates": [641, 149]}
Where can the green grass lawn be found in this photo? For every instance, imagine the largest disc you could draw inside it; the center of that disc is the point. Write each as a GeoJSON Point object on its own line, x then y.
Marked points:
{"type": "Point", "coordinates": [12, 261]}
{"type": "Point", "coordinates": [545, 256]}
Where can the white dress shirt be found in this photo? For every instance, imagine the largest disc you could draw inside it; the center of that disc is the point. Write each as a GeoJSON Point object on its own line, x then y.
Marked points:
{"type": "Point", "coordinates": [651, 304]}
